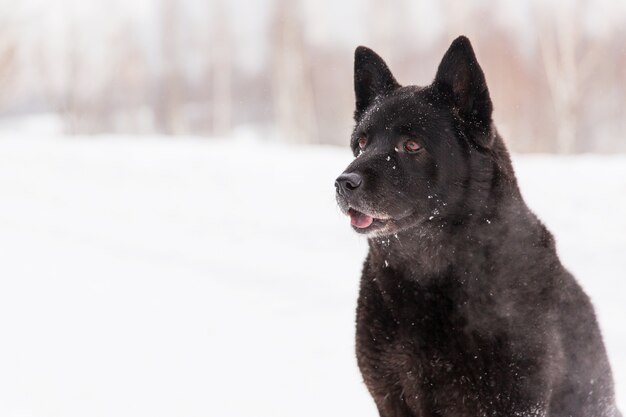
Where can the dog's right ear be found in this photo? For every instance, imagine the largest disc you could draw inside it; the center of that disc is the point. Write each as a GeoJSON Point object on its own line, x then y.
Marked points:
{"type": "Point", "coordinates": [372, 78]}
{"type": "Point", "coordinates": [461, 82]}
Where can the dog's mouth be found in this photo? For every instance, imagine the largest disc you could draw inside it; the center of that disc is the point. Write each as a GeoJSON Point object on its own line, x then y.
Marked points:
{"type": "Point", "coordinates": [367, 222]}
{"type": "Point", "coordinates": [360, 220]}
{"type": "Point", "coordinates": [364, 223]}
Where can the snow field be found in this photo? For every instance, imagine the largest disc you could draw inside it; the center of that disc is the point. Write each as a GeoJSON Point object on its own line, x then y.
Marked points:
{"type": "Point", "coordinates": [200, 277]}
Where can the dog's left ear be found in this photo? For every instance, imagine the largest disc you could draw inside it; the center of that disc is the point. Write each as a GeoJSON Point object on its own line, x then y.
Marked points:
{"type": "Point", "coordinates": [372, 78]}
{"type": "Point", "coordinates": [461, 82]}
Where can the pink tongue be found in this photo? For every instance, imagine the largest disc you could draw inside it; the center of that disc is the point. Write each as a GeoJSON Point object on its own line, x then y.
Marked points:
{"type": "Point", "coordinates": [360, 220]}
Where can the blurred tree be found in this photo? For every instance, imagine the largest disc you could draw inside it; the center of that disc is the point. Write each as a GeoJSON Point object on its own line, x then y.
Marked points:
{"type": "Point", "coordinates": [294, 117]}
{"type": "Point", "coordinates": [385, 28]}
{"type": "Point", "coordinates": [8, 52]}
{"type": "Point", "coordinates": [69, 104]}
{"type": "Point", "coordinates": [7, 59]}
{"type": "Point", "coordinates": [221, 65]}
{"type": "Point", "coordinates": [168, 107]}
{"type": "Point", "coordinates": [569, 57]}
{"type": "Point", "coordinates": [127, 84]}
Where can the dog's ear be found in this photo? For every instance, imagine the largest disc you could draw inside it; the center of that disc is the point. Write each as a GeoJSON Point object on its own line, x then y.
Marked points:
{"type": "Point", "coordinates": [372, 78]}
{"type": "Point", "coordinates": [461, 82]}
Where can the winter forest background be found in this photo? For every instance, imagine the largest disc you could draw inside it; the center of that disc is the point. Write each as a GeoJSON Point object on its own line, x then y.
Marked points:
{"type": "Point", "coordinates": [556, 69]}
{"type": "Point", "coordinates": [170, 243]}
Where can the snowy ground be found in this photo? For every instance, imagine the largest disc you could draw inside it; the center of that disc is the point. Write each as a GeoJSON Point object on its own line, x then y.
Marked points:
{"type": "Point", "coordinates": [186, 277]}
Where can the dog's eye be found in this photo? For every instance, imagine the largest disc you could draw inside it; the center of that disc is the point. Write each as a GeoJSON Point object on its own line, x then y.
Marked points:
{"type": "Point", "coordinates": [411, 146]}
{"type": "Point", "coordinates": [362, 142]}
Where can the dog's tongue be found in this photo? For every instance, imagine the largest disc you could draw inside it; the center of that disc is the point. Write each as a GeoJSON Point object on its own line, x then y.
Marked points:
{"type": "Point", "coordinates": [360, 220]}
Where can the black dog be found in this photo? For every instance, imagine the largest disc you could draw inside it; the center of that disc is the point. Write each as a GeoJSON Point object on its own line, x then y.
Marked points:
{"type": "Point", "coordinates": [464, 308]}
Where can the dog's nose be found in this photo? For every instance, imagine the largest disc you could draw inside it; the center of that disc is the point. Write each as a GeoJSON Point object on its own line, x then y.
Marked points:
{"type": "Point", "coordinates": [347, 182]}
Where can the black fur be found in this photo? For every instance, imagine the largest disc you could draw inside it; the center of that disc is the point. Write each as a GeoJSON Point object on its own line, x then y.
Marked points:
{"type": "Point", "coordinates": [464, 307]}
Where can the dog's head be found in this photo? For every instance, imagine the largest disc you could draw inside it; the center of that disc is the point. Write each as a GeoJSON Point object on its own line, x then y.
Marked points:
{"type": "Point", "coordinates": [415, 147]}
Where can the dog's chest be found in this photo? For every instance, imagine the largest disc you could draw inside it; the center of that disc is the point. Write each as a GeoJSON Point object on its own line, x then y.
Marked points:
{"type": "Point", "coordinates": [412, 343]}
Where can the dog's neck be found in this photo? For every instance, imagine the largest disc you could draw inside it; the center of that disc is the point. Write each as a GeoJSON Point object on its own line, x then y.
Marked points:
{"type": "Point", "coordinates": [427, 248]}
{"type": "Point", "coordinates": [434, 246]}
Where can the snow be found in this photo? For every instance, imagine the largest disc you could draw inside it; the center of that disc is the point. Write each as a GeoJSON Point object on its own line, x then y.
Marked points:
{"type": "Point", "coordinates": [197, 277]}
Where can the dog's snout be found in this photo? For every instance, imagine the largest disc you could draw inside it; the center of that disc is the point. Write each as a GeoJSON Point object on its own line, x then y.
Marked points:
{"type": "Point", "coordinates": [348, 182]}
